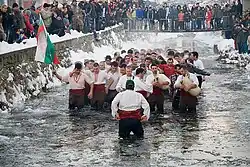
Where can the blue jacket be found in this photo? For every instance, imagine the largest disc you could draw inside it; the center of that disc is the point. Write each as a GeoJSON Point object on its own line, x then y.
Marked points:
{"type": "Point", "coordinates": [139, 13]}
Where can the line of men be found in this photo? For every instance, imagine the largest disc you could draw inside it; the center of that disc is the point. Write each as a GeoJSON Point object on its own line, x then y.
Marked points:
{"type": "Point", "coordinates": [144, 72]}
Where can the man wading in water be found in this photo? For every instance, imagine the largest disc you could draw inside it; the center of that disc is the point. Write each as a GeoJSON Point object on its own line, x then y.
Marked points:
{"type": "Point", "coordinates": [187, 101]}
{"type": "Point", "coordinates": [76, 80]}
{"type": "Point", "coordinates": [126, 107]}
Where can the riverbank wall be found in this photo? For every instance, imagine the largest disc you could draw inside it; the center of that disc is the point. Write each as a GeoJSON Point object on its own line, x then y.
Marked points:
{"type": "Point", "coordinates": [21, 77]}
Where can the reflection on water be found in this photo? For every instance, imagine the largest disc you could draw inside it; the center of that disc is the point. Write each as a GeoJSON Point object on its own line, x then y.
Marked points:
{"type": "Point", "coordinates": [40, 133]}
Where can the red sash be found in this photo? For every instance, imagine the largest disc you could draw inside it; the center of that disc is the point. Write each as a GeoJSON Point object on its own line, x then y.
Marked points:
{"type": "Point", "coordinates": [99, 88]}
{"type": "Point", "coordinates": [144, 93]}
{"type": "Point", "coordinates": [157, 91]}
{"type": "Point", "coordinates": [77, 91]}
{"type": "Point", "coordinates": [184, 93]}
{"type": "Point", "coordinates": [136, 114]}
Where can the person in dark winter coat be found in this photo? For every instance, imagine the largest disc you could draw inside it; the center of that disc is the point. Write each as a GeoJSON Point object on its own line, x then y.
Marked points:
{"type": "Point", "coordinates": [239, 9]}
{"type": "Point", "coordinates": [57, 25]}
{"type": "Point", "coordinates": [2, 34]}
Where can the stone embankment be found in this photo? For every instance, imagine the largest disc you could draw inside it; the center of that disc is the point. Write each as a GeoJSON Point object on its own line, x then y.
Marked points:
{"type": "Point", "coordinates": [21, 77]}
{"type": "Point", "coordinates": [231, 56]}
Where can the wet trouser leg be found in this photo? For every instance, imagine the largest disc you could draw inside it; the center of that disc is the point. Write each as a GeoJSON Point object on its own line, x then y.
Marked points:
{"type": "Point", "coordinates": [130, 125]}
{"type": "Point", "coordinates": [244, 47]}
{"type": "Point", "coordinates": [200, 80]}
{"type": "Point", "coordinates": [188, 103]}
{"type": "Point", "coordinates": [76, 101]}
{"type": "Point", "coordinates": [111, 95]}
{"type": "Point", "coordinates": [183, 108]}
{"type": "Point", "coordinates": [240, 47]}
{"type": "Point", "coordinates": [160, 103]}
{"type": "Point", "coordinates": [152, 106]}
{"type": "Point", "coordinates": [98, 99]}
{"type": "Point", "coordinates": [176, 100]}
{"type": "Point", "coordinates": [87, 90]}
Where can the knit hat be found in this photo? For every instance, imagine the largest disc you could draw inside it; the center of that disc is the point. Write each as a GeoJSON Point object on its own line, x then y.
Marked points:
{"type": "Point", "coordinates": [130, 84]}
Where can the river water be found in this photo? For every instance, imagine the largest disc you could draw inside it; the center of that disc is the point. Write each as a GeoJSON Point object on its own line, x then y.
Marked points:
{"type": "Point", "coordinates": [40, 133]}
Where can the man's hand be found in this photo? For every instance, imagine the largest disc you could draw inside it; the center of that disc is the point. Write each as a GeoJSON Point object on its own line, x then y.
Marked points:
{"type": "Point", "coordinates": [144, 118]}
{"type": "Point", "coordinates": [187, 88]}
{"type": "Point", "coordinates": [182, 86]}
{"type": "Point", "coordinates": [54, 72]}
{"type": "Point", "coordinates": [157, 84]}
{"type": "Point", "coordinates": [71, 73]}
{"type": "Point", "coordinates": [117, 117]}
{"type": "Point", "coordinates": [107, 90]}
{"type": "Point", "coordinates": [90, 95]}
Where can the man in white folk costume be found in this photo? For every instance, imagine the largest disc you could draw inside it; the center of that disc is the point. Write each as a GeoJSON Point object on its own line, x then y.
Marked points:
{"type": "Point", "coordinates": [126, 107]}
{"type": "Point", "coordinates": [140, 85]}
{"type": "Point", "coordinates": [88, 69]}
{"type": "Point", "coordinates": [76, 80]}
{"type": "Point", "coordinates": [146, 71]}
{"type": "Point", "coordinates": [102, 83]}
{"type": "Point", "coordinates": [121, 85]}
{"type": "Point", "coordinates": [198, 64]}
{"type": "Point", "coordinates": [115, 75]}
{"type": "Point", "coordinates": [160, 82]}
{"type": "Point", "coordinates": [187, 82]}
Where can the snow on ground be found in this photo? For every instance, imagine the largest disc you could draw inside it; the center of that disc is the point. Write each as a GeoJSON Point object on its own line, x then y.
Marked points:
{"type": "Point", "coordinates": [28, 43]}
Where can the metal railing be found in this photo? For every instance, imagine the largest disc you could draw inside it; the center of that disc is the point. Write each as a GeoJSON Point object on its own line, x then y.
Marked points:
{"type": "Point", "coordinates": [173, 25]}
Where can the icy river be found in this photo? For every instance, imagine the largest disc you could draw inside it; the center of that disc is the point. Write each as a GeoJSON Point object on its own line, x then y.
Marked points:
{"type": "Point", "coordinates": [41, 134]}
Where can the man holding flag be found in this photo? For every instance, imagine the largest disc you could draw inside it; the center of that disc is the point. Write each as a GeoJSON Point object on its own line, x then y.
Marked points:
{"type": "Point", "coordinates": [76, 80]}
{"type": "Point", "coordinates": [45, 53]}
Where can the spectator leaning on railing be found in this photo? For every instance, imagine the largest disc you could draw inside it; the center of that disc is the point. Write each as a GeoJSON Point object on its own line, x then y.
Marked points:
{"type": "Point", "coordinates": [17, 23]}
{"type": "Point", "coordinates": [91, 16]}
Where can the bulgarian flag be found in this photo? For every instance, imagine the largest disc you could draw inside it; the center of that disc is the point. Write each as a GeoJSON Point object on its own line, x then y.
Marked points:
{"type": "Point", "coordinates": [45, 50]}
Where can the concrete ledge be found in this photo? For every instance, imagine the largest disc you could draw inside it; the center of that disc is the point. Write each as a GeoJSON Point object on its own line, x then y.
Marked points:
{"type": "Point", "coordinates": [27, 55]}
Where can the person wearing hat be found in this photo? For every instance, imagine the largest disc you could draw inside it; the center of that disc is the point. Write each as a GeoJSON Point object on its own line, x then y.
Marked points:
{"type": "Point", "coordinates": [126, 107]}
{"type": "Point", "coordinates": [76, 80]}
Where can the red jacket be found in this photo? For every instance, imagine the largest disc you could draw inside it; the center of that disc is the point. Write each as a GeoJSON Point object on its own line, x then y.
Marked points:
{"type": "Point", "coordinates": [29, 26]}
{"type": "Point", "coordinates": [168, 69]}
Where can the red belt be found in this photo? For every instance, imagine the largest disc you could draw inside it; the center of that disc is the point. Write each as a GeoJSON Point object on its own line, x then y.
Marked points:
{"type": "Point", "coordinates": [99, 88]}
{"type": "Point", "coordinates": [184, 93]}
{"type": "Point", "coordinates": [144, 93]}
{"type": "Point", "coordinates": [156, 91]}
{"type": "Point", "coordinates": [136, 114]}
{"type": "Point", "coordinates": [77, 91]}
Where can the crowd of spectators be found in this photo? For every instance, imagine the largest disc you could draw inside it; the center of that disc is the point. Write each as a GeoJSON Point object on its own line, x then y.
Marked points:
{"type": "Point", "coordinates": [187, 17]}
{"type": "Point", "coordinates": [241, 33]}
{"type": "Point", "coordinates": [17, 23]}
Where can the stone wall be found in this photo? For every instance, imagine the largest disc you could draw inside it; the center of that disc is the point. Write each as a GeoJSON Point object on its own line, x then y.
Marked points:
{"type": "Point", "coordinates": [21, 77]}
{"type": "Point", "coordinates": [85, 43]}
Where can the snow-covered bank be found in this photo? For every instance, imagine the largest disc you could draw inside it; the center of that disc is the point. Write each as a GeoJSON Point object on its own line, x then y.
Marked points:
{"type": "Point", "coordinates": [32, 42]}
{"type": "Point", "coordinates": [29, 79]}
{"type": "Point", "coordinates": [225, 48]}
